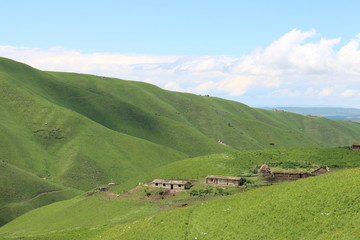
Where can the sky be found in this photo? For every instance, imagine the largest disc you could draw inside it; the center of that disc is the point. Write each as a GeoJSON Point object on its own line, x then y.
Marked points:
{"type": "Point", "coordinates": [261, 53]}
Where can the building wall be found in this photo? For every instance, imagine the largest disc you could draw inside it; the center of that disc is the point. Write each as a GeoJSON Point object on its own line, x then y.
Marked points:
{"type": "Point", "coordinates": [356, 148]}
{"type": "Point", "coordinates": [286, 176]}
{"type": "Point", "coordinates": [223, 182]}
{"type": "Point", "coordinates": [168, 186]}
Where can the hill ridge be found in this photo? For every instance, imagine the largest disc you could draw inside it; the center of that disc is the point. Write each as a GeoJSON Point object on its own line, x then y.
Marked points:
{"type": "Point", "coordinates": [82, 130]}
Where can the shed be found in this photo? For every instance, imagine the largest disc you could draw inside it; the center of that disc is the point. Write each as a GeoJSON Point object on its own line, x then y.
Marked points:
{"type": "Point", "coordinates": [173, 184]}
{"type": "Point", "coordinates": [264, 169]}
{"type": "Point", "coordinates": [355, 147]}
{"type": "Point", "coordinates": [224, 180]}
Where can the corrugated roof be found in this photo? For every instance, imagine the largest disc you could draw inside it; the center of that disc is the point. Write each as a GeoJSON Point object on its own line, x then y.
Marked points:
{"type": "Point", "coordinates": [356, 144]}
{"type": "Point", "coordinates": [224, 177]}
{"type": "Point", "coordinates": [171, 181]}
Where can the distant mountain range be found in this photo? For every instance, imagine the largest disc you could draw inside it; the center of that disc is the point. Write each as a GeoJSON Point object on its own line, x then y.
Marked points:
{"type": "Point", "coordinates": [345, 114]}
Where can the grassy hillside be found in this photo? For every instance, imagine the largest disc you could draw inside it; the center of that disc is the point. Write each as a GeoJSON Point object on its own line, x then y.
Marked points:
{"type": "Point", "coordinates": [21, 192]}
{"type": "Point", "coordinates": [80, 131]}
{"type": "Point", "coordinates": [111, 210]}
{"type": "Point", "coordinates": [245, 162]}
{"type": "Point", "coordinates": [322, 207]}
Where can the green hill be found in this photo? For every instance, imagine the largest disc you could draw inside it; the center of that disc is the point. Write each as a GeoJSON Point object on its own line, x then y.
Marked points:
{"type": "Point", "coordinates": [322, 207]}
{"type": "Point", "coordinates": [80, 131]}
{"type": "Point", "coordinates": [108, 213]}
{"type": "Point", "coordinates": [22, 191]}
{"type": "Point", "coordinates": [244, 163]}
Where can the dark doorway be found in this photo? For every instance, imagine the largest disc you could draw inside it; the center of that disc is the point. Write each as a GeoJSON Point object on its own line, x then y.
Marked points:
{"type": "Point", "coordinates": [172, 186]}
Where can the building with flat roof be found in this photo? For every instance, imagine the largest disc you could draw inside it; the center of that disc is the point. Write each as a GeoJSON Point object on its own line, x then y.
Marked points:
{"type": "Point", "coordinates": [172, 184]}
{"type": "Point", "coordinates": [224, 180]}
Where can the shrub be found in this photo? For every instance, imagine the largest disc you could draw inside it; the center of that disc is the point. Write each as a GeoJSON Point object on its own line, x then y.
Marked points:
{"type": "Point", "coordinates": [194, 193]}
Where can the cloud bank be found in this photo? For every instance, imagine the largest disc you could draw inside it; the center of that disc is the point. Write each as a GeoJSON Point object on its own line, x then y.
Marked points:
{"type": "Point", "coordinates": [299, 68]}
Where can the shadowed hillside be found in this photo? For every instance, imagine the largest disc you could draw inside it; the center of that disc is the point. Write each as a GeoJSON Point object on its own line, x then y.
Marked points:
{"type": "Point", "coordinates": [81, 131]}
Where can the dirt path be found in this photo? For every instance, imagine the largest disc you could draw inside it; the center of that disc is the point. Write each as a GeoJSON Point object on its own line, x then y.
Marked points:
{"type": "Point", "coordinates": [46, 192]}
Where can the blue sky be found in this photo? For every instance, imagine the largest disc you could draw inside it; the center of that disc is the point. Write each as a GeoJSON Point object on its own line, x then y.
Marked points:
{"type": "Point", "coordinates": [262, 53]}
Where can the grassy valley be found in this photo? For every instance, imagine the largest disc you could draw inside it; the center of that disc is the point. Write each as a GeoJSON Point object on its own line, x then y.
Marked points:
{"type": "Point", "coordinates": [22, 191]}
{"type": "Point", "coordinates": [64, 134]}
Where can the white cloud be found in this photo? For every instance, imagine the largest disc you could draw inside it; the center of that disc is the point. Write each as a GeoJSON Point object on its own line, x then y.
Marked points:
{"type": "Point", "coordinates": [235, 86]}
{"type": "Point", "coordinates": [297, 64]}
{"type": "Point", "coordinates": [173, 86]}
{"type": "Point", "coordinates": [326, 92]}
{"type": "Point", "coordinates": [350, 93]}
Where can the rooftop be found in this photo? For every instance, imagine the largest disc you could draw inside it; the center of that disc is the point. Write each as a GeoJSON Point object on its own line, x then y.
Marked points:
{"type": "Point", "coordinates": [171, 181]}
{"type": "Point", "coordinates": [224, 177]}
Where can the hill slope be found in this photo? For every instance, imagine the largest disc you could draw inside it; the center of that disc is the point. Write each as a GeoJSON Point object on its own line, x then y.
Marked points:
{"type": "Point", "coordinates": [244, 163]}
{"type": "Point", "coordinates": [21, 192]}
{"type": "Point", "coordinates": [81, 131]}
{"type": "Point", "coordinates": [110, 210]}
{"type": "Point", "coordinates": [322, 207]}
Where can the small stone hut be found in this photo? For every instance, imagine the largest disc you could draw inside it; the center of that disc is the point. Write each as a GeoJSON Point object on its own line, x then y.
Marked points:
{"type": "Point", "coordinates": [224, 180]}
{"type": "Point", "coordinates": [264, 169]}
{"type": "Point", "coordinates": [175, 184]}
{"type": "Point", "coordinates": [355, 147]}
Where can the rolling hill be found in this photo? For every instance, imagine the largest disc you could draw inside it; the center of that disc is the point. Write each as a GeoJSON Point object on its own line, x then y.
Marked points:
{"type": "Point", "coordinates": [22, 191]}
{"type": "Point", "coordinates": [322, 207]}
{"type": "Point", "coordinates": [76, 131]}
{"type": "Point", "coordinates": [111, 212]}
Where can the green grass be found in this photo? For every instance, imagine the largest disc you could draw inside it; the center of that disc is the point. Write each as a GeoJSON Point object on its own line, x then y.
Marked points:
{"type": "Point", "coordinates": [245, 163]}
{"type": "Point", "coordinates": [78, 213]}
{"type": "Point", "coordinates": [81, 131]}
{"type": "Point", "coordinates": [21, 192]}
{"type": "Point", "coordinates": [74, 215]}
{"type": "Point", "coordinates": [322, 207]}
{"type": "Point", "coordinates": [289, 166]}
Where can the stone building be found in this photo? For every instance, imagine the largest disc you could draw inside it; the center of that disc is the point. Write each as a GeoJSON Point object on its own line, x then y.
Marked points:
{"type": "Point", "coordinates": [224, 180]}
{"type": "Point", "coordinates": [355, 147]}
{"type": "Point", "coordinates": [175, 184]}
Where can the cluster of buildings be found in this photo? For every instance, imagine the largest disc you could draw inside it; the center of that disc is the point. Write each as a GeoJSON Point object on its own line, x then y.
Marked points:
{"type": "Point", "coordinates": [228, 181]}
{"type": "Point", "coordinates": [186, 184]}
{"type": "Point", "coordinates": [264, 171]}
{"type": "Point", "coordinates": [267, 172]}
